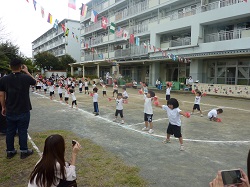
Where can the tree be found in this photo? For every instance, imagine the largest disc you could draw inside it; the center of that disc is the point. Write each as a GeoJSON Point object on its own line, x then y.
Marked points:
{"type": "Point", "coordinates": [66, 60]}
{"type": "Point", "coordinates": [31, 67]}
{"type": "Point", "coordinates": [48, 61]}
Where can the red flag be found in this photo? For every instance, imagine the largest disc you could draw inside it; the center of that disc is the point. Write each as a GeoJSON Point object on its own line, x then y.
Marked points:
{"type": "Point", "coordinates": [159, 49]}
{"type": "Point", "coordinates": [132, 39]}
{"type": "Point", "coordinates": [63, 27]}
{"type": "Point", "coordinates": [27, 1]}
{"type": "Point", "coordinates": [104, 22]}
{"type": "Point", "coordinates": [154, 48]}
{"type": "Point", "coordinates": [87, 45]}
{"type": "Point", "coordinates": [245, 1]}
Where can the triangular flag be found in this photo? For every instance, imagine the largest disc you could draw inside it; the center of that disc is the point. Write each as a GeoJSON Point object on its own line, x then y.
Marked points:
{"type": "Point", "coordinates": [159, 49]}
{"type": "Point", "coordinates": [34, 2]}
{"type": "Point", "coordinates": [137, 41]}
{"type": "Point", "coordinates": [72, 4]}
{"type": "Point", "coordinates": [112, 27]}
{"type": "Point", "coordinates": [154, 48]}
{"type": "Point", "coordinates": [27, 1]}
{"type": "Point", "coordinates": [125, 34]}
{"type": "Point", "coordinates": [42, 12]}
{"type": "Point", "coordinates": [56, 24]}
{"type": "Point", "coordinates": [63, 27]}
{"type": "Point", "coordinates": [49, 18]}
{"type": "Point", "coordinates": [94, 15]}
{"type": "Point", "coordinates": [104, 24]}
{"type": "Point", "coordinates": [245, 1]}
{"type": "Point", "coordinates": [145, 45]}
{"type": "Point", "coordinates": [66, 32]}
{"type": "Point", "coordinates": [84, 9]}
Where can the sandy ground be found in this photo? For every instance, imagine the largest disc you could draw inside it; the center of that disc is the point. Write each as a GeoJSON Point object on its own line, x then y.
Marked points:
{"type": "Point", "coordinates": [209, 146]}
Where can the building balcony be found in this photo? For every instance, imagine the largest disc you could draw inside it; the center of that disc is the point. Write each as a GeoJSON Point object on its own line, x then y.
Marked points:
{"type": "Point", "coordinates": [227, 35]}
{"type": "Point", "coordinates": [93, 27]}
{"type": "Point", "coordinates": [176, 43]}
{"type": "Point", "coordinates": [131, 52]}
{"type": "Point", "coordinates": [93, 56]}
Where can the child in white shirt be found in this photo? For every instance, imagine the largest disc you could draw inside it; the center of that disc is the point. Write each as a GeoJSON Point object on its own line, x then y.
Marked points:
{"type": "Point", "coordinates": [197, 101]}
{"type": "Point", "coordinates": [104, 90]}
{"type": "Point", "coordinates": [86, 86]}
{"type": "Point", "coordinates": [51, 90]}
{"type": "Point", "coordinates": [60, 91]}
{"type": "Point", "coordinates": [45, 87]}
{"type": "Point", "coordinates": [119, 107]}
{"type": "Point", "coordinates": [148, 112]}
{"type": "Point", "coordinates": [95, 101]}
{"type": "Point", "coordinates": [71, 91]}
{"type": "Point", "coordinates": [125, 93]}
{"type": "Point", "coordinates": [212, 115]}
{"type": "Point", "coordinates": [66, 95]}
{"type": "Point", "coordinates": [80, 86]}
{"type": "Point", "coordinates": [115, 88]}
{"type": "Point", "coordinates": [93, 85]}
{"type": "Point", "coordinates": [168, 89]}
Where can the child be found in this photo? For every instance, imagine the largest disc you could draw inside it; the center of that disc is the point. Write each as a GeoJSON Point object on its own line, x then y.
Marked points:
{"type": "Point", "coordinates": [104, 90]}
{"type": "Point", "coordinates": [86, 85]}
{"type": "Point", "coordinates": [119, 107]}
{"type": "Point", "coordinates": [66, 95]}
{"type": "Point", "coordinates": [51, 90]}
{"type": "Point", "coordinates": [124, 94]}
{"type": "Point", "coordinates": [93, 85]}
{"type": "Point", "coordinates": [44, 87]}
{"type": "Point", "coordinates": [115, 89]}
{"type": "Point", "coordinates": [212, 115]}
{"type": "Point", "coordinates": [60, 91]}
{"type": "Point", "coordinates": [168, 89]}
{"type": "Point", "coordinates": [73, 84]}
{"type": "Point", "coordinates": [95, 101]}
{"type": "Point", "coordinates": [148, 111]}
{"type": "Point", "coordinates": [80, 86]}
{"type": "Point", "coordinates": [174, 116]}
{"type": "Point", "coordinates": [145, 87]}
{"type": "Point", "coordinates": [71, 91]}
{"type": "Point", "coordinates": [197, 101]}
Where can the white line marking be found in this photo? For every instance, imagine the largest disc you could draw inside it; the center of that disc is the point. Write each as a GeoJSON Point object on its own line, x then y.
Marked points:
{"type": "Point", "coordinates": [34, 146]}
{"type": "Point", "coordinates": [160, 136]}
{"type": "Point", "coordinates": [144, 122]}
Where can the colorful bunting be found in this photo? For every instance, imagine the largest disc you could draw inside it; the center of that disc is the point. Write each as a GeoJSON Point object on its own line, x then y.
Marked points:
{"type": "Point", "coordinates": [137, 41]}
{"type": "Point", "coordinates": [72, 4]}
{"type": "Point", "coordinates": [145, 45]}
{"type": "Point", "coordinates": [125, 34]}
{"type": "Point", "coordinates": [104, 24]}
{"type": "Point", "coordinates": [49, 18]}
{"type": "Point", "coordinates": [84, 9]}
{"type": "Point", "coordinates": [34, 2]}
{"type": "Point", "coordinates": [76, 38]}
{"type": "Point", "coordinates": [42, 12]}
{"type": "Point", "coordinates": [119, 32]}
{"type": "Point", "coordinates": [112, 27]}
{"type": "Point", "coordinates": [63, 27]}
{"type": "Point", "coordinates": [66, 32]}
{"type": "Point", "coordinates": [73, 34]}
{"type": "Point", "coordinates": [132, 39]}
{"type": "Point", "coordinates": [94, 15]}
{"type": "Point", "coordinates": [56, 24]}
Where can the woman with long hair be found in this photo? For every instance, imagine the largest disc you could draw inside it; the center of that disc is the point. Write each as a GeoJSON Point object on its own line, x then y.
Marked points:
{"type": "Point", "coordinates": [52, 170]}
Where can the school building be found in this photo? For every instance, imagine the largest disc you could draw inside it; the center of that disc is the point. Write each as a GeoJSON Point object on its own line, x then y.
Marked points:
{"type": "Point", "coordinates": [206, 39]}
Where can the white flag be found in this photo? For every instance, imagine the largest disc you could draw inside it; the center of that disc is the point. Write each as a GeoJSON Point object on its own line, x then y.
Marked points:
{"type": "Point", "coordinates": [125, 34]}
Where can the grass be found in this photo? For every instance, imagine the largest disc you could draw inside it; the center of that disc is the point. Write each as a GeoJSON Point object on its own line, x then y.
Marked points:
{"type": "Point", "coordinates": [95, 166]}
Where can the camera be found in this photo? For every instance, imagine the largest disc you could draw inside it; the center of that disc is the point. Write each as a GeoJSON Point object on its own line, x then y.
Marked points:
{"type": "Point", "coordinates": [231, 176]}
{"type": "Point", "coordinates": [73, 143]}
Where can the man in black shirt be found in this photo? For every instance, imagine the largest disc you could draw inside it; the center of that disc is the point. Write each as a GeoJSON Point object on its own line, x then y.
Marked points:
{"type": "Point", "coordinates": [15, 101]}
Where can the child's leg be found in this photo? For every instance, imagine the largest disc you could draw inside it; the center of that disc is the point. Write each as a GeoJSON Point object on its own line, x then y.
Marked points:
{"type": "Point", "coordinates": [168, 136]}
{"type": "Point", "coordinates": [181, 140]}
{"type": "Point", "coordinates": [146, 124]}
{"type": "Point", "coordinates": [151, 125]}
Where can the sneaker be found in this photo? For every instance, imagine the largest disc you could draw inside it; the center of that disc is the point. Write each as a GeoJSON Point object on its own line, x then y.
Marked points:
{"type": "Point", "coordinates": [11, 154]}
{"type": "Point", "coordinates": [150, 131]}
{"type": "Point", "coordinates": [182, 148]}
{"type": "Point", "coordinates": [191, 113]}
{"type": "Point", "coordinates": [145, 129]}
{"type": "Point", "coordinates": [96, 114]}
{"type": "Point", "coordinates": [201, 115]}
{"type": "Point", "coordinates": [166, 141]}
{"type": "Point", "coordinates": [115, 120]}
{"type": "Point", "coordinates": [122, 122]}
{"type": "Point", "coordinates": [26, 153]}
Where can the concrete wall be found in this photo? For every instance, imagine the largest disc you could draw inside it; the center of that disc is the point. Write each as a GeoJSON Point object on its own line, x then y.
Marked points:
{"type": "Point", "coordinates": [224, 90]}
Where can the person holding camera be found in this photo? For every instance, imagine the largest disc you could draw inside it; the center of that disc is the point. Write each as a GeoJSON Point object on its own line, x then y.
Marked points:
{"type": "Point", "coordinates": [52, 170]}
{"type": "Point", "coordinates": [16, 106]}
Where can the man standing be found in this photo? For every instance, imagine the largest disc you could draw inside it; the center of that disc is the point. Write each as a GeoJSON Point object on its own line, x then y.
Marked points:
{"type": "Point", "coordinates": [15, 101]}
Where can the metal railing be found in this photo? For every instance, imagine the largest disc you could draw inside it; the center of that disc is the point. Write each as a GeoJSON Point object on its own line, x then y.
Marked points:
{"type": "Point", "coordinates": [180, 42]}
{"type": "Point", "coordinates": [131, 52]}
{"type": "Point", "coordinates": [93, 27]}
{"type": "Point", "coordinates": [93, 56]}
{"type": "Point", "coordinates": [224, 35]}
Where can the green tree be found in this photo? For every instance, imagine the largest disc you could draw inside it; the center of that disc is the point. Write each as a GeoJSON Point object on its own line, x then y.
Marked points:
{"type": "Point", "coordinates": [48, 61]}
{"type": "Point", "coordinates": [66, 60]}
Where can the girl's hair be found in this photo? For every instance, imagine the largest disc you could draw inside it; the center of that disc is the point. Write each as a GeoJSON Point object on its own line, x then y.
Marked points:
{"type": "Point", "coordinates": [95, 89]}
{"type": "Point", "coordinates": [44, 171]}
{"type": "Point", "coordinates": [119, 94]}
{"type": "Point", "coordinates": [199, 93]}
{"type": "Point", "coordinates": [152, 94]}
{"type": "Point", "coordinates": [173, 102]}
{"type": "Point", "coordinates": [248, 165]}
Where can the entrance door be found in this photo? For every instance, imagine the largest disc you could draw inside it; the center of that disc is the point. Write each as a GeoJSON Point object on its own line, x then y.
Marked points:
{"type": "Point", "coordinates": [230, 75]}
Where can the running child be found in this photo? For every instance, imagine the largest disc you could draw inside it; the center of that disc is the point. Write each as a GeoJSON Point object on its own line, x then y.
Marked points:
{"type": "Point", "coordinates": [148, 112]}
{"type": "Point", "coordinates": [80, 86]}
{"type": "Point", "coordinates": [72, 93]}
{"type": "Point", "coordinates": [95, 101]}
{"type": "Point", "coordinates": [174, 117]}
{"type": "Point", "coordinates": [144, 87]}
{"type": "Point", "coordinates": [73, 84]}
{"type": "Point", "coordinates": [119, 107]}
{"type": "Point", "coordinates": [212, 115]}
{"type": "Point", "coordinates": [38, 85]}
{"type": "Point", "coordinates": [66, 95]}
{"type": "Point", "coordinates": [104, 89]}
{"type": "Point", "coordinates": [86, 86]}
{"type": "Point", "coordinates": [168, 89]}
{"type": "Point", "coordinates": [93, 85]}
{"type": "Point", "coordinates": [124, 93]}
{"type": "Point", "coordinates": [197, 101]}
{"type": "Point", "coordinates": [115, 88]}
{"type": "Point", "coordinates": [45, 87]}
{"type": "Point", "coordinates": [60, 91]}
{"type": "Point", "coordinates": [51, 90]}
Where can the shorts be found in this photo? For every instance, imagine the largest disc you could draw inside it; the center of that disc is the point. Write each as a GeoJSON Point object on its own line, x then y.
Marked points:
{"type": "Point", "coordinates": [148, 117]}
{"type": "Point", "coordinates": [167, 97]}
{"type": "Point", "coordinates": [86, 88]}
{"type": "Point", "coordinates": [80, 89]}
{"type": "Point", "coordinates": [72, 87]}
{"type": "Point", "coordinates": [38, 87]}
{"type": "Point", "coordinates": [74, 102]}
{"type": "Point", "coordinates": [45, 90]}
{"type": "Point", "coordinates": [115, 91]}
{"type": "Point", "coordinates": [66, 98]}
{"type": "Point", "coordinates": [125, 97]}
{"type": "Point", "coordinates": [51, 93]}
{"type": "Point", "coordinates": [174, 130]}
{"type": "Point", "coordinates": [104, 92]}
{"type": "Point", "coordinates": [60, 95]}
{"type": "Point", "coordinates": [119, 112]}
{"type": "Point", "coordinates": [196, 106]}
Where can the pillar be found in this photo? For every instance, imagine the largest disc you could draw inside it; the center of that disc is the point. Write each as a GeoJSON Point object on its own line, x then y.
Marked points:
{"type": "Point", "coordinates": [155, 72]}
{"type": "Point", "coordinates": [155, 40]}
{"type": "Point", "coordinates": [98, 70]}
{"type": "Point", "coordinates": [197, 35]}
{"type": "Point", "coordinates": [196, 70]}
{"type": "Point", "coordinates": [83, 71]}
{"type": "Point", "coordinates": [72, 70]}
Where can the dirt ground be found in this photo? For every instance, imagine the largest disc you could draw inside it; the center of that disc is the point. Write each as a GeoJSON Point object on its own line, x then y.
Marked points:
{"type": "Point", "coordinates": [209, 146]}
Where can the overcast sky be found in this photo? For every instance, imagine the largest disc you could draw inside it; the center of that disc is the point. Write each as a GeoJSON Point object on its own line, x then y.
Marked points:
{"type": "Point", "coordinates": [24, 24]}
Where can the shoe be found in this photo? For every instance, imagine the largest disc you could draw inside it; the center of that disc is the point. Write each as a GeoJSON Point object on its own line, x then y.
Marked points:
{"type": "Point", "coordinates": [166, 141]}
{"type": "Point", "coordinates": [115, 120]}
{"type": "Point", "coordinates": [150, 131]}
{"type": "Point", "coordinates": [122, 122]}
{"type": "Point", "coordinates": [145, 129]}
{"type": "Point", "coordinates": [191, 113]}
{"type": "Point", "coordinates": [201, 115]}
{"type": "Point", "coordinates": [182, 148]}
{"type": "Point", "coordinates": [26, 153]}
{"type": "Point", "coordinates": [11, 154]}
{"type": "Point", "coordinates": [96, 114]}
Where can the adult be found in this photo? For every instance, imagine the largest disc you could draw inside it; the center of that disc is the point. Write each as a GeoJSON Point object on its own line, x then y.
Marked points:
{"type": "Point", "coordinates": [16, 106]}
{"type": "Point", "coordinates": [52, 170]}
{"type": "Point", "coordinates": [107, 78]}
{"type": "Point", "coordinates": [190, 80]}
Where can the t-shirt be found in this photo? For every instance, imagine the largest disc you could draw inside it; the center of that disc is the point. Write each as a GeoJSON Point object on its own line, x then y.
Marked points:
{"type": "Point", "coordinates": [174, 116]}
{"type": "Point", "coordinates": [16, 87]}
{"type": "Point", "coordinates": [51, 88]}
{"type": "Point", "coordinates": [95, 97]}
{"type": "Point", "coordinates": [119, 104]}
{"type": "Point", "coordinates": [212, 113]}
{"type": "Point", "coordinates": [93, 85]}
{"type": "Point", "coordinates": [66, 94]}
{"type": "Point", "coordinates": [168, 91]}
{"type": "Point", "coordinates": [148, 105]}
{"type": "Point", "coordinates": [197, 100]}
{"type": "Point", "coordinates": [59, 90]}
{"type": "Point", "coordinates": [73, 96]}
{"type": "Point", "coordinates": [145, 89]}
{"type": "Point", "coordinates": [115, 87]}
{"type": "Point", "coordinates": [104, 88]}
{"type": "Point", "coordinates": [80, 85]}
{"type": "Point", "coordinates": [73, 84]}
{"type": "Point", "coordinates": [86, 84]}
{"type": "Point", "coordinates": [44, 86]}
{"type": "Point", "coordinates": [125, 94]}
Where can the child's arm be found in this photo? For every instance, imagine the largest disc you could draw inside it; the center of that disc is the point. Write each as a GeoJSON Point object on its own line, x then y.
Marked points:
{"type": "Point", "coordinates": [185, 114]}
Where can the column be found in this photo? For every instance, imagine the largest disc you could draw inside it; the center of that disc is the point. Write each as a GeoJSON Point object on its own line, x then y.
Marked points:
{"type": "Point", "coordinates": [98, 70]}
{"type": "Point", "coordinates": [83, 71]}
{"type": "Point", "coordinates": [72, 70]}
{"type": "Point", "coordinates": [155, 74]}
{"type": "Point", "coordinates": [197, 35]}
{"type": "Point", "coordinates": [196, 70]}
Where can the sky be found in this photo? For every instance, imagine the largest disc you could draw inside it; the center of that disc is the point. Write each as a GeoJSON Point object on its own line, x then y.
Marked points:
{"type": "Point", "coordinates": [23, 24]}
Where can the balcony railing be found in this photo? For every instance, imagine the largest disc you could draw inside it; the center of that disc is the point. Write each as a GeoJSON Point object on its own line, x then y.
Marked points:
{"type": "Point", "coordinates": [137, 29]}
{"type": "Point", "coordinates": [131, 52]}
{"type": "Point", "coordinates": [224, 35]}
{"type": "Point", "coordinates": [180, 42]}
{"type": "Point", "coordinates": [93, 27]}
{"type": "Point", "coordinates": [93, 56]}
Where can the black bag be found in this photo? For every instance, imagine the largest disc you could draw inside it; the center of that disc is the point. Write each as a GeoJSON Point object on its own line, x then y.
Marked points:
{"type": "Point", "coordinates": [64, 183]}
